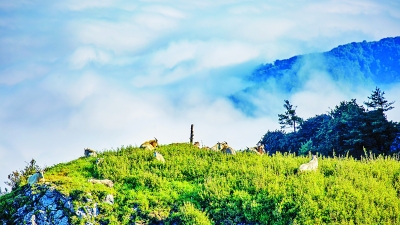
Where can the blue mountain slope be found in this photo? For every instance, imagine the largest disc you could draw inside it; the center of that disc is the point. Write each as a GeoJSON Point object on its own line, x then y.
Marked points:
{"type": "Point", "coordinates": [376, 63]}
{"type": "Point", "coordinates": [379, 60]}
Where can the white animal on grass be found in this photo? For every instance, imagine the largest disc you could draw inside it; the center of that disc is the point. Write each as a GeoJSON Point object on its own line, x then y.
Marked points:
{"type": "Point", "coordinates": [90, 152]}
{"type": "Point", "coordinates": [228, 150]}
{"type": "Point", "coordinates": [260, 149]}
{"type": "Point", "coordinates": [34, 178]}
{"type": "Point", "coordinates": [150, 145]}
{"type": "Point", "coordinates": [106, 182]}
{"type": "Point", "coordinates": [310, 166]}
{"type": "Point", "coordinates": [219, 146]}
{"type": "Point", "coordinates": [158, 156]}
{"type": "Point", "coordinates": [252, 150]}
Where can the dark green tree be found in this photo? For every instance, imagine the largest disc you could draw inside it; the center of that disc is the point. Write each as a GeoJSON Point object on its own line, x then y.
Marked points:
{"type": "Point", "coordinates": [345, 131]}
{"type": "Point", "coordinates": [380, 132]}
{"type": "Point", "coordinates": [378, 102]}
{"type": "Point", "coordinates": [312, 129]}
{"type": "Point", "coordinates": [274, 141]}
{"type": "Point", "coordinates": [290, 118]}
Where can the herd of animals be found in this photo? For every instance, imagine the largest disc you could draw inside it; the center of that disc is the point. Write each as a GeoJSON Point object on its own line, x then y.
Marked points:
{"type": "Point", "coordinates": [152, 146]}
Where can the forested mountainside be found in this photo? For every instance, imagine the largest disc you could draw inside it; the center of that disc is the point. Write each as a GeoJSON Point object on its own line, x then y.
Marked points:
{"type": "Point", "coordinates": [348, 128]}
{"type": "Point", "coordinates": [378, 61]}
{"type": "Point", "coordinates": [374, 63]}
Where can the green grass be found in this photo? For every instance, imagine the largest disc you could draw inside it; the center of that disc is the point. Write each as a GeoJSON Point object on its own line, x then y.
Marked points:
{"type": "Point", "coordinates": [197, 186]}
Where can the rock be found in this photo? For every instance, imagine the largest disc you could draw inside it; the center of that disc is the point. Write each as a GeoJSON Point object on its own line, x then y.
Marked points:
{"type": "Point", "coordinates": [44, 205]}
{"type": "Point", "coordinates": [41, 205]}
{"type": "Point", "coordinates": [109, 199]}
{"type": "Point", "coordinates": [88, 211]}
{"type": "Point", "coordinates": [80, 213]}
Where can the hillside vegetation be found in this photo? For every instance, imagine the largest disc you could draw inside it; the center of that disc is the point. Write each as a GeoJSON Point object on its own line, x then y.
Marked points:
{"type": "Point", "coordinates": [376, 60]}
{"type": "Point", "coordinates": [196, 186]}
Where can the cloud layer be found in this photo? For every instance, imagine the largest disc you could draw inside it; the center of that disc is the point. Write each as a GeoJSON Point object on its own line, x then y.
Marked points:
{"type": "Point", "coordinates": [102, 74]}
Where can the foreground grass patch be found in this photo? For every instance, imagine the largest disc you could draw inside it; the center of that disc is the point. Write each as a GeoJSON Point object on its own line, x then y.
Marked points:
{"type": "Point", "coordinates": [206, 187]}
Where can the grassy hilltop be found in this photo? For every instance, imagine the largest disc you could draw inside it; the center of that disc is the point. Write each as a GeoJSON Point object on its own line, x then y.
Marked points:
{"type": "Point", "coordinates": [197, 186]}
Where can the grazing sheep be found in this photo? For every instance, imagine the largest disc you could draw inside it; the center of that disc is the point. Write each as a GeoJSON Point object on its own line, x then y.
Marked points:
{"type": "Point", "coordinates": [159, 157]}
{"type": "Point", "coordinates": [253, 150]}
{"type": "Point", "coordinates": [106, 182]}
{"type": "Point", "coordinates": [310, 166]}
{"type": "Point", "coordinates": [260, 149]}
{"type": "Point", "coordinates": [197, 144]}
{"type": "Point", "coordinates": [228, 150]}
{"type": "Point", "coordinates": [34, 178]}
{"type": "Point", "coordinates": [150, 145]}
{"type": "Point", "coordinates": [216, 147]}
{"type": "Point", "coordinates": [90, 152]}
{"type": "Point", "coordinates": [219, 146]}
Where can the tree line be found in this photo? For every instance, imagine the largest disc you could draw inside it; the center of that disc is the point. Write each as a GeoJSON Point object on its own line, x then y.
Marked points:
{"type": "Point", "coordinates": [349, 128]}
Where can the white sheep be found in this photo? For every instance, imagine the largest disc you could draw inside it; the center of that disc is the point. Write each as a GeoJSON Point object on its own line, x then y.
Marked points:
{"type": "Point", "coordinates": [260, 149]}
{"type": "Point", "coordinates": [159, 157]}
{"type": "Point", "coordinates": [90, 152]}
{"type": "Point", "coordinates": [219, 146]}
{"type": "Point", "coordinates": [150, 145]}
{"type": "Point", "coordinates": [253, 150]}
{"type": "Point", "coordinates": [310, 166]}
{"type": "Point", "coordinates": [106, 182]}
{"type": "Point", "coordinates": [34, 178]}
{"type": "Point", "coordinates": [228, 150]}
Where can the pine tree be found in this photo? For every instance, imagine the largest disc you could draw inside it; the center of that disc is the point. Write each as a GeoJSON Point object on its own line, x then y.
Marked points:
{"type": "Point", "coordinates": [290, 118]}
{"type": "Point", "coordinates": [378, 101]}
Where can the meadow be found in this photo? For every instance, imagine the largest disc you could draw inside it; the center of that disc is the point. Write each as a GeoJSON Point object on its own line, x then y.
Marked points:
{"type": "Point", "coordinates": [197, 186]}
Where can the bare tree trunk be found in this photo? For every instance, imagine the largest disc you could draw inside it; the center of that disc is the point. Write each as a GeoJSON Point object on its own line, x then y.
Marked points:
{"type": "Point", "coordinates": [191, 134]}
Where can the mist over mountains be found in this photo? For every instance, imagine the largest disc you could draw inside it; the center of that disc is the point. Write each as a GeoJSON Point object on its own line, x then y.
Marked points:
{"type": "Point", "coordinates": [356, 65]}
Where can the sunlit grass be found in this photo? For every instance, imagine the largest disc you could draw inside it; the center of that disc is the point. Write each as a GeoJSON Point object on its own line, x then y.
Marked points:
{"type": "Point", "coordinates": [215, 188]}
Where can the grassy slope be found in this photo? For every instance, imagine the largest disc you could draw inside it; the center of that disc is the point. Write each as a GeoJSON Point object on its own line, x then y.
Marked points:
{"type": "Point", "coordinates": [203, 187]}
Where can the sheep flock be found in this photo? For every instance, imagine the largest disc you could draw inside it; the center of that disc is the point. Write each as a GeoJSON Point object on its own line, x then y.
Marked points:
{"type": "Point", "coordinates": [152, 145]}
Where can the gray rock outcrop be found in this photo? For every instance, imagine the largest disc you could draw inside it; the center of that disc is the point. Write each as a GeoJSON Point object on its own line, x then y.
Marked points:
{"type": "Point", "coordinates": [40, 205]}
{"type": "Point", "coordinates": [44, 205]}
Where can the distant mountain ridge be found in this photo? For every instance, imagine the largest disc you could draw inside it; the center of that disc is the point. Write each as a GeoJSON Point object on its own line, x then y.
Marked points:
{"type": "Point", "coordinates": [378, 60]}
{"type": "Point", "coordinates": [368, 63]}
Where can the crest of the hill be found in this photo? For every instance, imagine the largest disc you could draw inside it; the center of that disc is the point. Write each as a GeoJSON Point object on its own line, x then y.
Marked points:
{"type": "Point", "coordinates": [199, 186]}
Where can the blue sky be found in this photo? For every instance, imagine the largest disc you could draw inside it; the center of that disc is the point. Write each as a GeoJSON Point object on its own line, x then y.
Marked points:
{"type": "Point", "coordinates": [103, 73]}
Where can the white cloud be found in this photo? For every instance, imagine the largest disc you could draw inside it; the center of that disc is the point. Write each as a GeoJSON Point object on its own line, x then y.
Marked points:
{"type": "Point", "coordinates": [346, 7]}
{"type": "Point", "coordinates": [175, 53]}
{"type": "Point", "coordinates": [392, 93]}
{"type": "Point", "coordinates": [130, 33]}
{"type": "Point", "coordinates": [85, 55]}
{"type": "Point", "coordinates": [73, 89]}
{"type": "Point", "coordinates": [222, 54]}
{"type": "Point", "coordinates": [164, 10]}
{"type": "Point", "coordinates": [319, 94]}
{"type": "Point", "coordinates": [117, 37]}
{"type": "Point", "coordinates": [184, 59]}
